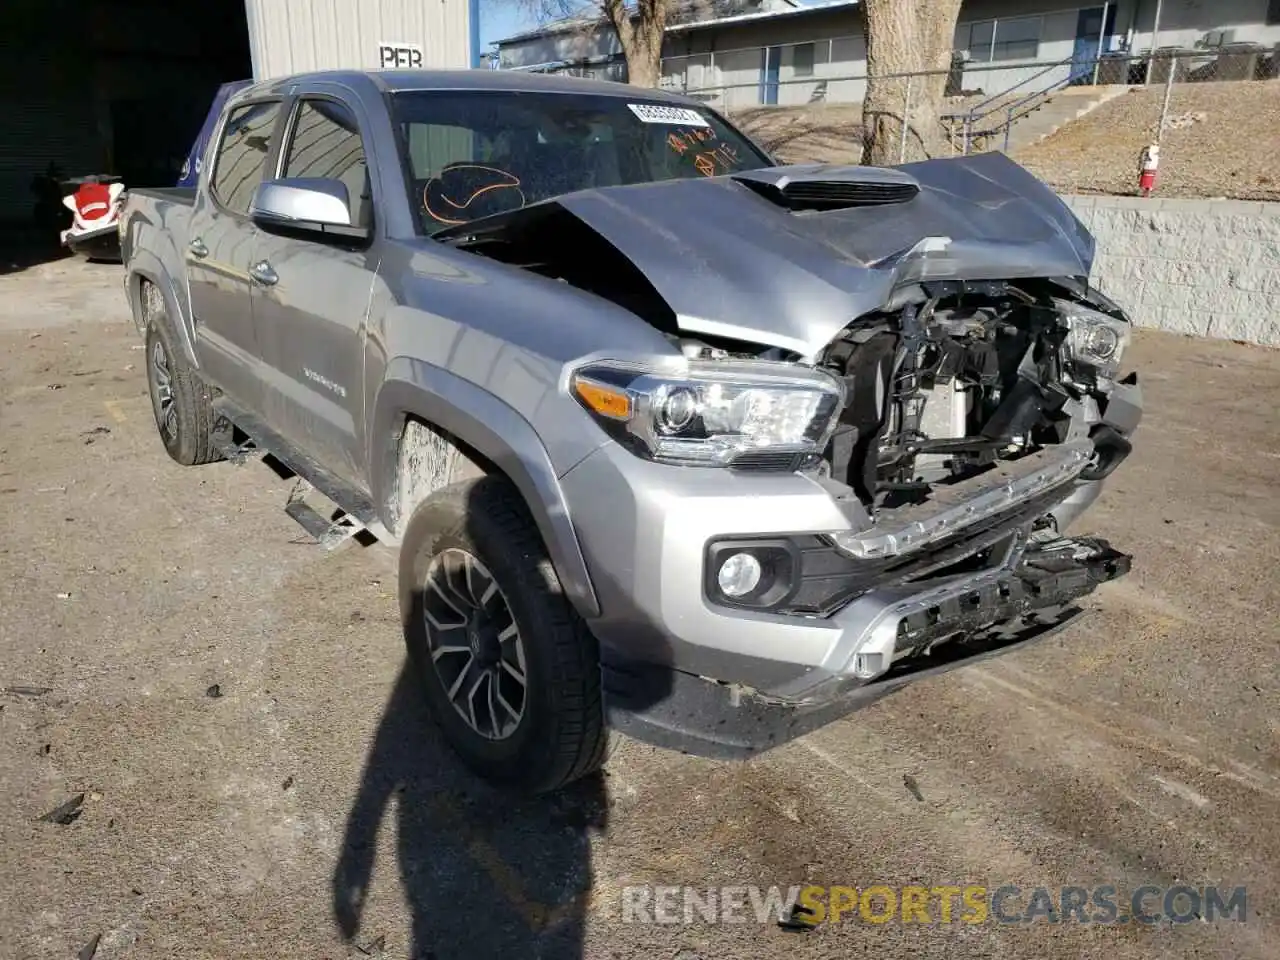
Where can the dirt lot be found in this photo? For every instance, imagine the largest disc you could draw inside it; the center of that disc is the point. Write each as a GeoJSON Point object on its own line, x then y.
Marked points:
{"type": "Point", "coordinates": [1221, 142]}
{"type": "Point", "coordinates": [818, 133]}
{"type": "Point", "coordinates": [311, 797]}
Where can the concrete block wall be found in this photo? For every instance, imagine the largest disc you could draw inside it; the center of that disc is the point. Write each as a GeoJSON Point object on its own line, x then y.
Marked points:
{"type": "Point", "coordinates": [1210, 268]}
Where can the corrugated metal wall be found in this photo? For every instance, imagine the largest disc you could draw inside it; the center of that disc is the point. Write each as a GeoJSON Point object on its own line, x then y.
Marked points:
{"type": "Point", "coordinates": [291, 36]}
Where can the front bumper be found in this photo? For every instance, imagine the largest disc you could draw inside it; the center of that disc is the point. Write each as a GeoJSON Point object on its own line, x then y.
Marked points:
{"type": "Point", "coordinates": [709, 674]}
{"type": "Point", "coordinates": [644, 529]}
{"type": "Point", "coordinates": [927, 634]}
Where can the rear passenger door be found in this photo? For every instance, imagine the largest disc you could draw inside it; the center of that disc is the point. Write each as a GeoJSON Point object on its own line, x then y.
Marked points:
{"type": "Point", "coordinates": [220, 252]}
{"type": "Point", "coordinates": [311, 317]}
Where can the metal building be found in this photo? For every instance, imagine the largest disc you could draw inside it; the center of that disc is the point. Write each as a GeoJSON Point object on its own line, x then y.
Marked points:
{"type": "Point", "coordinates": [289, 36]}
{"type": "Point", "coordinates": [122, 86]}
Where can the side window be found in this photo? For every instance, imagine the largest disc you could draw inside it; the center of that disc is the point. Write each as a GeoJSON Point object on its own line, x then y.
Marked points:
{"type": "Point", "coordinates": [326, 143]}
{"type": "Point", "coordinates": [242, 153]}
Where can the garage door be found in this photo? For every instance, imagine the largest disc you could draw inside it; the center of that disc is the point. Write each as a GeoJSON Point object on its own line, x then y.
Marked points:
{"type": "Point", "coordinates": [46, 115]}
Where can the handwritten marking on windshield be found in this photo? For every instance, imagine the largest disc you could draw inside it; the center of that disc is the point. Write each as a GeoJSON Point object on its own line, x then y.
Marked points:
{"type": "Point", "coordinates": [706, 164]}
{"type": "Point", "coordinates": [437, 186]}
{"type": "Point", "coordinates": [682, 140]}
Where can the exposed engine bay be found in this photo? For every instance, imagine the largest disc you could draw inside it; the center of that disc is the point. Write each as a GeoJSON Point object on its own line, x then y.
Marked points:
{"type": "Point", "coordinates": [958, 377]}
{"type": "Point", "coordinates": [944, 377]}
{"type": "Point", "coordinates": [976, 372]}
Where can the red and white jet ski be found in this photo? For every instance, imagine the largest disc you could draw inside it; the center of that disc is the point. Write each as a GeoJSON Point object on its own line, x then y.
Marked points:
{"type": "Point", "coordinates": [95, 208]}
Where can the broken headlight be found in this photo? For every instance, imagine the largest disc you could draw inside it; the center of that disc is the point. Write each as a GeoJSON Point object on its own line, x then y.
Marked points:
{"type": "Point", "coordinates": [1094, 340]}
{"type": "Point", "coordinates": [712, 412]}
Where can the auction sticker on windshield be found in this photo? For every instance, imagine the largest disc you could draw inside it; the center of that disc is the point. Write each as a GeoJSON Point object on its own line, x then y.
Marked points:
{"type": "Point", "coordinates": [655, 113]}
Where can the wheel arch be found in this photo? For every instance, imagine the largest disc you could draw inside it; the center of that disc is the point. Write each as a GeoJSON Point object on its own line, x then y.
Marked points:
{"type": "Point", "coordinates": [487, 436]}
{"type": "Point", "coordinates": [146, 268]}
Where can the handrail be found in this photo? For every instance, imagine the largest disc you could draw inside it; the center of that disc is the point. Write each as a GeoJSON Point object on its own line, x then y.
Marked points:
{"type": "Point", "coordinates": [1012, 115]}
{"type": "Point", "coordinates": [977, 113]}
{"type": "Point", "coordinates": [1012, 111]}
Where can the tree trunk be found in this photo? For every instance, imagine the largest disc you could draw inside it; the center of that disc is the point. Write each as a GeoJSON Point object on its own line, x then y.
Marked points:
{"type": "Point", "coordinates": [640, 38]}
{"type": "Point", "coordinates": [906, 36]}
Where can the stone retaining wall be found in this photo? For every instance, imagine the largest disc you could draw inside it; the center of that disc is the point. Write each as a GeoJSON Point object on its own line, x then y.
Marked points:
{"type": "Point", "coordinates": [1210, 268]}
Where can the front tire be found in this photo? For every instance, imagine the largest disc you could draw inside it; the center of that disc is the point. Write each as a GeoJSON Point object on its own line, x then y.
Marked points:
{"type": "Point", "coordinates": [180, 399]}
{"type": "Point", "coordinates": [510, 672]}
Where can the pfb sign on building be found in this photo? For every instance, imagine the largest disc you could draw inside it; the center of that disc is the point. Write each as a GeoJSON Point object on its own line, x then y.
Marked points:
{"type": "Point", "coordinates": [387, 35]}
{"type": "Point", "coordinates": [400, 56]}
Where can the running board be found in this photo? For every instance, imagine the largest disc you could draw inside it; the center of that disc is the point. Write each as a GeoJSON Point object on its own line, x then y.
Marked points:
{"type": "Point", "coordinates": [355, 511]}
{"type": "Point", "coordinates": [329, 533]}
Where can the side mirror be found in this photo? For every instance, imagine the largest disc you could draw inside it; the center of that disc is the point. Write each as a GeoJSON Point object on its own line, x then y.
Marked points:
{"type": "Point", "coordinates": [311, 205]}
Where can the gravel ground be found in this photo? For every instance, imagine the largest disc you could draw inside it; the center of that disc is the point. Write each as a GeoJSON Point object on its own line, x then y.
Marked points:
{"type": "Point", "coordinates": [821, 133]}
{"type": "Point", "coordinates": [1222, 142]}
{"type": "Point", "coordinates": [311, 799]}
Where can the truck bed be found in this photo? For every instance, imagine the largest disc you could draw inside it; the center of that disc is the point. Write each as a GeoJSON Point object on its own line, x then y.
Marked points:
{"type": "Point", "coordinates": [183, 195]}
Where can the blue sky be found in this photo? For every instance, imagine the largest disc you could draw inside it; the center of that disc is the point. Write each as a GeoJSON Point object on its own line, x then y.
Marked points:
{"type": "Point", "coordinates": [502, 18]}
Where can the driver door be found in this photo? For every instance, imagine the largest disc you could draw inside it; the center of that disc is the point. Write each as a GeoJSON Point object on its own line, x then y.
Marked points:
{"type": "Point", "coordinates": [310, 298]}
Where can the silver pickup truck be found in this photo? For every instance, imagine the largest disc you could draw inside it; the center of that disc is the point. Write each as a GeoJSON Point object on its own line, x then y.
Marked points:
{"type": "Point", "coordinates": [673, 440]}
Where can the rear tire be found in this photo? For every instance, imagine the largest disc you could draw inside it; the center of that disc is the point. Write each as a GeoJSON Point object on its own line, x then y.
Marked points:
{"type": "Point", "coordinates": [180, 400]}
{"type": "Point", "coordinates": [468, 542]}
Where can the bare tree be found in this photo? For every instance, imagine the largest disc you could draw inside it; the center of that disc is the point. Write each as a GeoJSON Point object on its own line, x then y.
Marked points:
{"type": "Point", "coordinates": [639, 25]}
{"type": "Point", "coordinates": [906, 36]}
{"type": "Point", "coordinates": [640, 36]}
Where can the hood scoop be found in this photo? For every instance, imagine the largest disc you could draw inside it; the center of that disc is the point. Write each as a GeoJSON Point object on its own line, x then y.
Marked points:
{"type": "Point", "coordinates": [817, 187]}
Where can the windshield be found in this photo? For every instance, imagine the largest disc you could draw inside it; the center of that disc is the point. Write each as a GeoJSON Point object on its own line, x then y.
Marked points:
{"type": "Point", "coordinates": [474, 153]}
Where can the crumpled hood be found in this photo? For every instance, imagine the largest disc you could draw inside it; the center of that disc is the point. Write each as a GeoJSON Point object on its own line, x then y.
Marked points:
{"type": "Point", "coordinates": [729, 260]}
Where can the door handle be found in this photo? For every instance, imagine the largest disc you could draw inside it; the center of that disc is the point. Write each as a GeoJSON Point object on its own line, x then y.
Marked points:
{"type": "Point", "coordinates": [263, 274]}
{"type": "Point", "coordinates": [197, 248]}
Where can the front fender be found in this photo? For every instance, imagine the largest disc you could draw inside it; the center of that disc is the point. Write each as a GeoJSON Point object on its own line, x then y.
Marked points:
{"type": "Point", "coordinates": [144, 265]}
{"type": "Point", "coordinates": [494, 430]}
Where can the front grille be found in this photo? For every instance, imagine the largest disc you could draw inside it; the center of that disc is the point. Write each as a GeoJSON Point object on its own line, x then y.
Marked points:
{"type": "Point", "coordinates": [830, 579]}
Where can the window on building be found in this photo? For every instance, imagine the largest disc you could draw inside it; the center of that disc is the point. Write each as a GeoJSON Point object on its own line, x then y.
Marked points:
{"type": "Point", "coordinates": [242, 154]}
{"type": "Point", "coordinates": [979, 39]}
{"type": "Point", "coordinates": [1017, 39]}
{"type": "Point", "coordinates": [1273, 13]}
{"type": "Point", "coordinates": [802, 60]}
{"type": "Point", "coordinates": [326, 143]}
{"type": "Point", "coordinates": [1014, 39]}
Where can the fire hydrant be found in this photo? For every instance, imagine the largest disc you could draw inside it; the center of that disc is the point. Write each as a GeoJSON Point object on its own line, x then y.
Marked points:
{"type": "Point", "coordinates": [1148, 164]}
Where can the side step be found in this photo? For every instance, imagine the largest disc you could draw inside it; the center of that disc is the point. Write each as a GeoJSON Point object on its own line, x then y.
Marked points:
{"type": "Point", "coordinates": [330, 534]}
{"type": "Point", "coordinates": [355, 511]}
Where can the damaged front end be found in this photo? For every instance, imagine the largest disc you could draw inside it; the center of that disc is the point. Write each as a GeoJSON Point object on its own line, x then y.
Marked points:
{"type": "Point", "coordinates": [921, 342]}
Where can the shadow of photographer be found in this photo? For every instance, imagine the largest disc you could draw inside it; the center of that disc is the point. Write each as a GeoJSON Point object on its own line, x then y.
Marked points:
{"type": "Point", "coordinates": [486, 871]}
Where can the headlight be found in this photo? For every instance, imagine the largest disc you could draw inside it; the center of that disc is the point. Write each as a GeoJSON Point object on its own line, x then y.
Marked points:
{"type": "Point", "coordinates": [715, 412]}
{"type": "Point", "coordinates": [1095, 339]}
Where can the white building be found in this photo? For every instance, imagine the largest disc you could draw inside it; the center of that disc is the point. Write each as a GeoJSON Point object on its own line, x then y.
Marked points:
{"type": "Point", "coordinates": [789, 54]}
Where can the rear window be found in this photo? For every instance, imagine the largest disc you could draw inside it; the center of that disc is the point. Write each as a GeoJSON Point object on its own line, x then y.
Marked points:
{"type": "Point", "coordinates": [242, 153]}
{"type": "Point", "coordinates": [471, 154]}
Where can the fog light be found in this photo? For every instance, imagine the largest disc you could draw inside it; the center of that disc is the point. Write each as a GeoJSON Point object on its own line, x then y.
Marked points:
{"type": "Point", "coordinates": [739, 575]}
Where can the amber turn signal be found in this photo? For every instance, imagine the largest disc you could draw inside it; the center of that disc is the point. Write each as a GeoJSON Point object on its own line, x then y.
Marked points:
{"type": "Point", "coordinates": [604, 400]}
